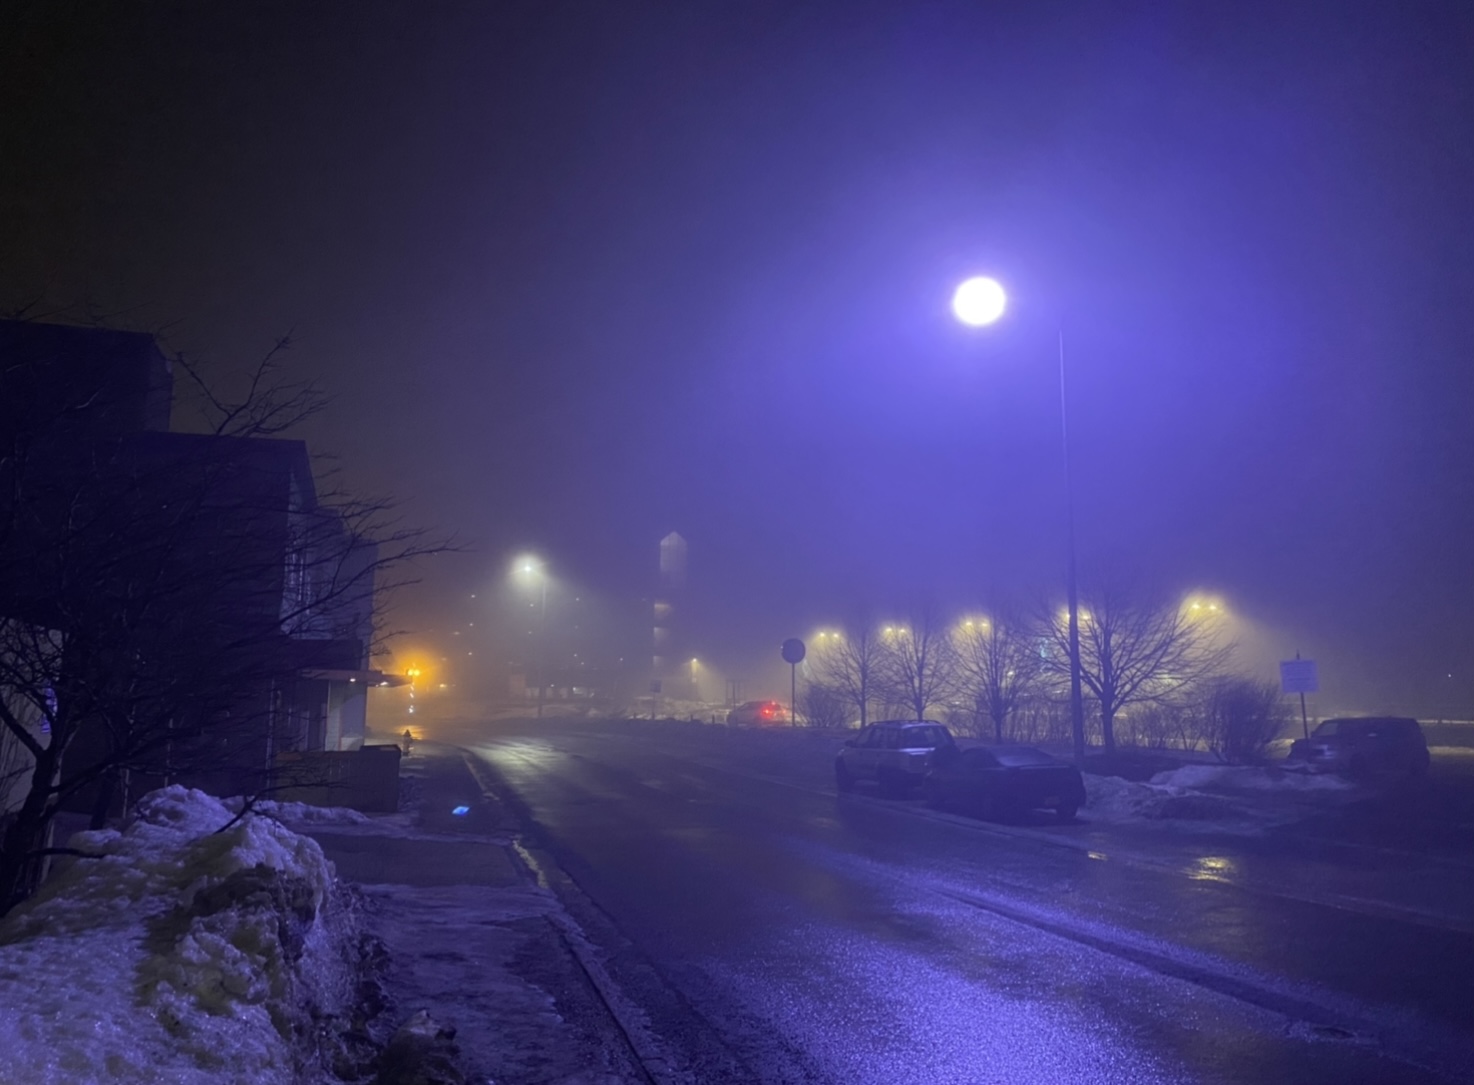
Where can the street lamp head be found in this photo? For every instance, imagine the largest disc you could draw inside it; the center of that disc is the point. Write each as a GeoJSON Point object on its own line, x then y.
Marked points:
{"type": "Point", "coordinates": [979, 301]}
{"type": "Point", "coordinates": [529, 567]}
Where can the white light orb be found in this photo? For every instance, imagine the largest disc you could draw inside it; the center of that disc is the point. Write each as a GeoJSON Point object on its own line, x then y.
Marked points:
{"type": "Point", "coordinates": [979, 301]}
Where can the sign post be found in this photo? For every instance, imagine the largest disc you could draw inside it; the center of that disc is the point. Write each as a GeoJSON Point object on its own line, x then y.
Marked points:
{"type": "Point", "coordinates": [1299, 676]}
{"type": "Point", "coordinates": [793, 655]}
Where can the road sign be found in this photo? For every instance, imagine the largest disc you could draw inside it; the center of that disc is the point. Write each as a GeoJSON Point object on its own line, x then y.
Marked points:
{"type": "Point", "coordinates": [1298, 676]}
{"type": "Point", "coordinates": [793, 655]}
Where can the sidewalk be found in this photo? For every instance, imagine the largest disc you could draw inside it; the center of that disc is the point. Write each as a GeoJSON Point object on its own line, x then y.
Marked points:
{"type": "Point", "coordinates": [472, 941]}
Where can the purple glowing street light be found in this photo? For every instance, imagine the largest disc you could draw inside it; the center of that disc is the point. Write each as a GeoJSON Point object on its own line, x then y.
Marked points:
{"type": "Point", "coordinates": [978, 302]}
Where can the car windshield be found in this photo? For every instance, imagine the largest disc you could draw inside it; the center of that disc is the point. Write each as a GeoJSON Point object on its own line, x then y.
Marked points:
{"type": "Point", "coordinates": [1328, 729]}
{"type": "Point", "coordinates": [1022, 755]}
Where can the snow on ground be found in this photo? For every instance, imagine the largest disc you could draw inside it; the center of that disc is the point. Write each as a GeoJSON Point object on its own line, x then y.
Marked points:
{"type": "Point", "coordinates": [300, 813]}
{"type": "Point", "coordinates": [186, 952]}
{"type": "Point", "coordinates": [1233, 796]}
{"type": "Point", "coordinates": [1110, 798]}
{"type": "Point", "coordinates": [1249, 778]}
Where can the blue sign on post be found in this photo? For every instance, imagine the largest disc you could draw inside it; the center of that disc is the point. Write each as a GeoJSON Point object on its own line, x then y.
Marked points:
{"type": "Point", "coordinates": [1299, 676]}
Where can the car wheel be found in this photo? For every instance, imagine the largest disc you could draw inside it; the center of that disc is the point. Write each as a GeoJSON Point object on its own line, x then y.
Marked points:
{"type": "Point", "coordinates": [1065, 812]}
{"type": "Point", "coordinates": [843, 781]}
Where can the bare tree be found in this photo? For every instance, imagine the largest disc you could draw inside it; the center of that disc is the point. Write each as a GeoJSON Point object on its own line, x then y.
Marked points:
{"type": "Point", "coordinates": [159, 592]}
{"type": "Point", "coordinates": [918, 662]}
{"type": "Point", "coordinates": [999, 664]}
{"type": "Point", "coordinates": [850, 663]}
{"type": "Point", "coordinates": [1135, 650]}
{"type": "Point", "coordinates": [822, 706]}
{"type": "Point", "coordinates": [1243, 716]}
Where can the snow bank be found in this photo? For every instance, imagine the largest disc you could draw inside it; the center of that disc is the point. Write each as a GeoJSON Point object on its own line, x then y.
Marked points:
{"type": "Point", "coordinates": [1248, 778]}
{"type": "Point", "coordinates": [1109, 798]}
{"type": "Point", "coordinates": [1231, 795]}
{"type": "Point", "coordinates": [183, 954]}
{"type": "Point", "coordinates": [301, 813]}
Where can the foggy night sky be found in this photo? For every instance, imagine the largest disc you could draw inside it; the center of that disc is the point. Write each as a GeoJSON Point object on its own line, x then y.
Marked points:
{"type": "Point", "coordinates": [584, 273]}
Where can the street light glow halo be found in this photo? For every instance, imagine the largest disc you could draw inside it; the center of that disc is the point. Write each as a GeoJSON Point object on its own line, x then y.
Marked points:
{"type": "Point", "coordinates": [979, 301]}
{"type": "Point", "coordinates": [528, 565]}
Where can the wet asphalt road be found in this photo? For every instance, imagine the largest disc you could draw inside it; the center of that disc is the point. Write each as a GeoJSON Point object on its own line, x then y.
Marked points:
{"type": "Point", "coordinates": [774, 931]}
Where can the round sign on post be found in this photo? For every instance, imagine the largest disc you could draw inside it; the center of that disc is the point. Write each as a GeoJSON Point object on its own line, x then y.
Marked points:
{"type": "Point", "coordinates": [793, 655]}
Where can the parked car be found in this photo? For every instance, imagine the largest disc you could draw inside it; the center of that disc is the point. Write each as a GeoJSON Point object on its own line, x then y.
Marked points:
{"type": "Point", "coordinates": [1363, 746]}
{"type": "Point", "coordinates": [758, 714]}
{"type": "Point", "coordinates": [894, 754]}
{"type": "Point", "coordinates": [1003, 781]}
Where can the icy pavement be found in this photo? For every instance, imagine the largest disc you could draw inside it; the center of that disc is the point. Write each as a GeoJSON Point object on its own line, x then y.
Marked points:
{"type": "Point", "coordinates": [471, 941]}
{"type": "Point", "coordinates": [193, 948]}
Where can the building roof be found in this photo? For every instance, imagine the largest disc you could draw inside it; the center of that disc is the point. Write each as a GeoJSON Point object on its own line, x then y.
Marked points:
{"type": "Point", "coordinates": [105, 381]}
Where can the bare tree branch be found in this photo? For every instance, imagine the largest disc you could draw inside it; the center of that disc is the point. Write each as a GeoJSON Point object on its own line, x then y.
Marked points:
{"type": "Point", "coordinates": [1136, 649]}
{"type": "Point", "coordinates": [919, 662]}
{"type": "Point", "coordinates": [998, 665]}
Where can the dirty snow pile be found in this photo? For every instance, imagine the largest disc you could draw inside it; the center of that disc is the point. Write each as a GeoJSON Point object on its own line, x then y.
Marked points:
{"type": "Point", "coordinates": [1249, 778]}
{"type": "Point", "coordinates": [182, 954]}
{"type": "Point", "coordinates": [300, 813]}
{"type": "Point", "coordinates": [1222, 793]}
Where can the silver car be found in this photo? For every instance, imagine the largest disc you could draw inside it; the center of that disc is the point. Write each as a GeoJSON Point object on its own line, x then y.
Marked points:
{"type": "Point", "coordinates": [894, 754]}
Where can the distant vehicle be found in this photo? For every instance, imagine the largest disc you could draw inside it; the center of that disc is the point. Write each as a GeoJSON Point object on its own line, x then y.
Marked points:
{"type": "Point", "coordinates": [1363, 746]}
{"type": "Point", "coordinates": [758, 714]}
{"type": "Point", "coordinates": [895, 754]}
{"type": "Point", "coordinates": [999, 782]}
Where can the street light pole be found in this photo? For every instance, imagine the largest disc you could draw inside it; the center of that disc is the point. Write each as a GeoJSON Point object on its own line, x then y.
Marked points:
{"type": "Point", "coordinates": [981, 301]}
{"type": "Point", "coordinates": [1072, 592]}
{"type": "Point", "coordinates": [542, 643]}
{"type": "Point", "coordinates": [527, 568]}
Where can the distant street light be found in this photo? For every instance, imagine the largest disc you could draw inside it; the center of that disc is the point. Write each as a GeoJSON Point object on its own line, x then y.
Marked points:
{"type": "Point", "coordinates": [531, 570]}
{"type": "Point", "coordinates": [981, 301]}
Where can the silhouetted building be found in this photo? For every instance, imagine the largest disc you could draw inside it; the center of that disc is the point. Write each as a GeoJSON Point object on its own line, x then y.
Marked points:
{"type": "Point", "coordinates": [196, 555]}
{"type": "Point", "coordinates": [672, 674]}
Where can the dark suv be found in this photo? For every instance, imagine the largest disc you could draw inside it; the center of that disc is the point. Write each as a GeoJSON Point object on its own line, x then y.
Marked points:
{"type": "Point", "coordinates": [895, 754]}
{"type": "Point", "coordinates": [1363, 746]}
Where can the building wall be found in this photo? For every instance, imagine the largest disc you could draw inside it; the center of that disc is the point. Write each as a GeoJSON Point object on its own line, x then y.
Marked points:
{"type": "Point", "coordinates": [347, 715]}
